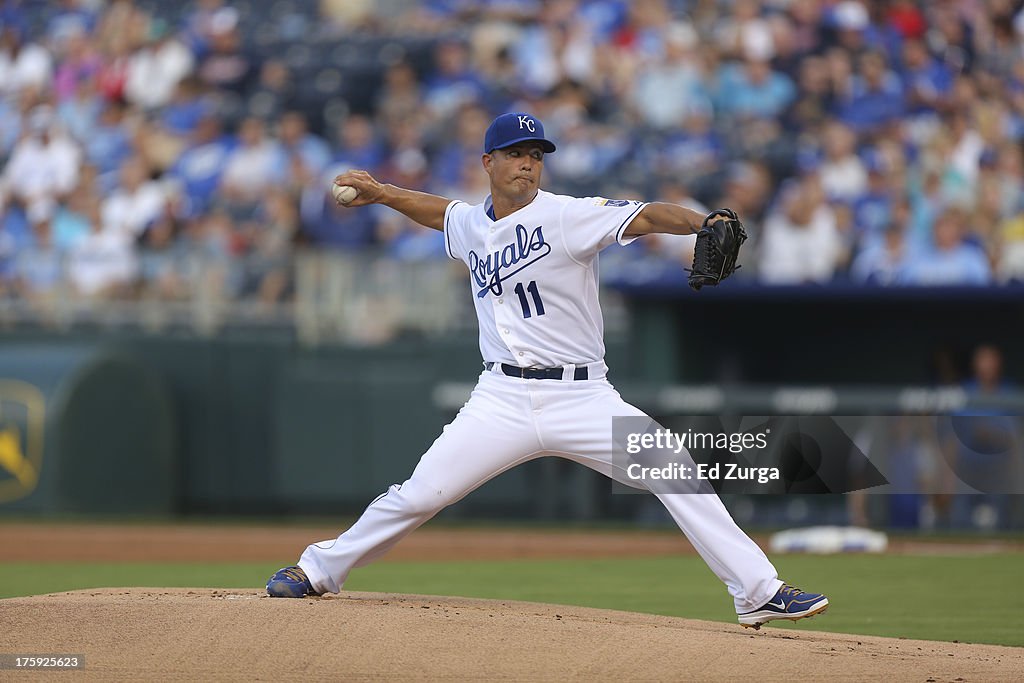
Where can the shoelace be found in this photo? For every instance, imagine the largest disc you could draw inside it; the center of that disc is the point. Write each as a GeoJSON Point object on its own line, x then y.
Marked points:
{"type": "Point", "coordinates": [791, 590]}
{"type": "Point", "coordinates": [294, 573]}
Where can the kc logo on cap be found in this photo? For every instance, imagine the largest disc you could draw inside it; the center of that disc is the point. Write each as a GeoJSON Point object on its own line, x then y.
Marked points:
{"type": "Point", "coordinates": [515, 127]}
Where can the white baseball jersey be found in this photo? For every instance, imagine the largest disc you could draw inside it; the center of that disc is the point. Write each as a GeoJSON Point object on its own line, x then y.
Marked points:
{"type": "Point", "coordinates": [534, 275]}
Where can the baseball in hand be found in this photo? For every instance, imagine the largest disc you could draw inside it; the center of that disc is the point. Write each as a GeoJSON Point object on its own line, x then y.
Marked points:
{"type": "Point", "coordinates": [343, 193]}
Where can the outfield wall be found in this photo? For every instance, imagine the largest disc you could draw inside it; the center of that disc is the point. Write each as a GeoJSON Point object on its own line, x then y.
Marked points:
{"type": "Point", "coordinates": [253, 422]}
{"type": "Point", "coordinates": [243, 424]}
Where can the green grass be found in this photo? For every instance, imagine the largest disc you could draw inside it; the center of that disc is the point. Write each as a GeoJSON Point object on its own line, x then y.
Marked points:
{"type": "Point", "coordinates": [966, 598]}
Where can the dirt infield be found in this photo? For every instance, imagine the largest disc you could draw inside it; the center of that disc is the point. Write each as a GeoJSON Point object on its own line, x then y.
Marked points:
{"type": "Point", "coordinates": [205, 634]}
{"type": "Point", "coordinates": [199, 543]}
{"type": "Point", "coordinates": [47, 542]}
{"type": "Point", "coordinates": [239, 634]}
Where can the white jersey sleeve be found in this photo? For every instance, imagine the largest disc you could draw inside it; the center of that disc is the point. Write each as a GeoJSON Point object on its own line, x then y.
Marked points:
{"type": "Point", "coordinates": [589, 224]}
{"type": "Point", "coordinates": [456, 224]}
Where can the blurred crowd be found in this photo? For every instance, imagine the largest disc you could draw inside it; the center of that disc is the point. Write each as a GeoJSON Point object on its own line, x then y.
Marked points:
{"type": "Point", "coordinates": [146, 148]}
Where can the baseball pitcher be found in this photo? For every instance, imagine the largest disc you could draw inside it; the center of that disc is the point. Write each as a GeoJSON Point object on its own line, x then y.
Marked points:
{"type": "Point", "coordinates": [532, 259]}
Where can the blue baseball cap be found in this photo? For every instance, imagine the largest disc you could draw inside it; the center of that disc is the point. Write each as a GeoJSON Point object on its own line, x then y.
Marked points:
{"type": "Point", "coordinates": [508, 129]}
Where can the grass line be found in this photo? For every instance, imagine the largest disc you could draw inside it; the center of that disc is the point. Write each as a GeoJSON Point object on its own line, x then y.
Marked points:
{"type": "Point", "coordinates": [900, 596]}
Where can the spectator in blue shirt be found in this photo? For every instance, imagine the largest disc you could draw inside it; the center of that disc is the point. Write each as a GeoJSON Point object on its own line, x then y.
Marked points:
{"type": "Point", "coordinates": [357, 145]}
{"type": "Point", "coordinates": [109, 143]}
{"type": "Point", "coordinates": [695, 150]}
{"type": "Point", "coordinates": [665, 92]}
{"type": "Point", "coordinates": [951, 262]}
{"type": "Point", "coordinates": [40, 270]}
{"type": "Point", "coordinates": [70, 18]}
{"type": "Point", "coordinates": [872, 208]}
{"type": "Point", "coordinates": [325, 223]}
{"type": "Point", "coordinates": [188, 106]}
{"type": "Point", "coordinates": [71, 222]}
{"type": "Point", "coordinates": [80, 113]}
{"type": "Point", "coordinates": [199, 167]}
{"type": "Point", "coordinates": [454, 83]}
{"type": "Point", "coordinates": [876, 96]}
{"type": "Point", "coordinates": [885, 261]}
{"type": "Point", "coordinates": [926, 81]}
{"type": "Point", "coordinates": [753, 89]}
{"type": "Point", "coordinates": [256, 164]}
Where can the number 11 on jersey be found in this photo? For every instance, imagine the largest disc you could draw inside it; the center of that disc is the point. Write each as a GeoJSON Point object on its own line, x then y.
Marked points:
{"type": "Point", "coordinates": [534, 294]}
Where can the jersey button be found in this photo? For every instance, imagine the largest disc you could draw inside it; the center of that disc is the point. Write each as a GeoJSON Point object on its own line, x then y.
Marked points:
{"type": "Point", "coordinates": [521, 353]}
{"type": "Point", "coordinates": [500, 300]}
{"type": "Point", "coordinates": [506, 330]}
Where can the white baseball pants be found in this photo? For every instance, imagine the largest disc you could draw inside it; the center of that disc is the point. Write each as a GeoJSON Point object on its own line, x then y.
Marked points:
{"type": "Point", "coordinates": [508, 421]}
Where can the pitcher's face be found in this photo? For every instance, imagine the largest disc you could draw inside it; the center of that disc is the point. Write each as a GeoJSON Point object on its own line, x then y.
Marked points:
{"type": "Point", "coordinates": [515, 171]}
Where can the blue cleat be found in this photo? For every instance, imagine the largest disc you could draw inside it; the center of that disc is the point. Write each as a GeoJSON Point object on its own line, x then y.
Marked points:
{"type": "Point", "coordinates": [290, 582]}
{"type": "Point", "coordinates": [789, 603]}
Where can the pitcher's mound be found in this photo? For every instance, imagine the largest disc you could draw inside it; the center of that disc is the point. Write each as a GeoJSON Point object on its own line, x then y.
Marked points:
{"type": "Point", "coordinates": [211, 634]}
